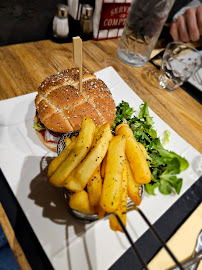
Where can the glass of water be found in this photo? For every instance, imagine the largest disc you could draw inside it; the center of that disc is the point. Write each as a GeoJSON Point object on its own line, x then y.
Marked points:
{"type": "Point", "coordinates": [143, 26]}
{"type": "Point", "coordinates": [179, 63]}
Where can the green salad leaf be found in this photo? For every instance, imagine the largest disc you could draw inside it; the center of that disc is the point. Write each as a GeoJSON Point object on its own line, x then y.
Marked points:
{"type": "Point", "coordinates": [38, 126]}
{"type": "Point", "coordinates": [166, 137]}
{"type": "Point", "coordinates": [165, 165]}
{"type": "Point", "coordinates": [123, 113]}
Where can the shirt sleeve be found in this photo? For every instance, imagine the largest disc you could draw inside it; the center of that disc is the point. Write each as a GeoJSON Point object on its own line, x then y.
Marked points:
{"type": "Point", "coordinates": [3, 240]}
{"type": "Point", "coordinates": [192, 4]}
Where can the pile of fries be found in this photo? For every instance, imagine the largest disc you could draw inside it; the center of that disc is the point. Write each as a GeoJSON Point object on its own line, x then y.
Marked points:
{"type": "Point", "coordinates": [101, 170]}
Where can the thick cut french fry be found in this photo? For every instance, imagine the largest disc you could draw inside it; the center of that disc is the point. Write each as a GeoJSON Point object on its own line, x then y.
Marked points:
{"type": "Point", "coordinates": [101, 212]}
{"type": "Point", "coordinates": [79, 201]}
{"type": "Point", "coordinates": [79, 177]}
{"type": "Point", "coordinates": [96, 132]}
{"type": "Point", "coordinates": [111, 190]}
{"type": "Point", "coordinates": [122, 208]}
{"type": "Point", "coordinates": [103, 164]}
{"type": "Point", "coordinates": [119, 126]}
{"type": "Point", "coordinates": [94, 188]}
{"type": "Point", "coordinates": [67, 141]}
{"type": "Point", "coordinates": [59, 159]}
{"type": "Point", "coordinates": [132, 187]}
{"type": "Point", "coordinates": [74, 138]}
{"type": "Point", "coordinates": [142, 148]}
{"type": "Point", "coordinates": [78, 153]}
{"type": "Point", "coordinates": [138, 163]}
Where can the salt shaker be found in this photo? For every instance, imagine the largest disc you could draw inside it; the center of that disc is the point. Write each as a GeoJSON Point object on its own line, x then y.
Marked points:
{"type": "Point", "coordinates": [86, 21]}
{"type": "Point", "coordinates": [60, 23]}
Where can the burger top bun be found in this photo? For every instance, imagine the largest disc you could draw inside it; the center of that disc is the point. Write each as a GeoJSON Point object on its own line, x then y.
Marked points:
{"type": "Point", "coordinates": [61, 106]}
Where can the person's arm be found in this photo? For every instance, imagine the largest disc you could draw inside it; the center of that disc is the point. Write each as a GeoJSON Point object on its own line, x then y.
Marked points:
{"type": "Point", "coordinates": [187, 23]}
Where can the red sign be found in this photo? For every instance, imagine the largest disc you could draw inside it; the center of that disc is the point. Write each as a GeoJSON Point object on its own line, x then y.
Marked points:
{"type": "Point", "coordinates": [113, 15]}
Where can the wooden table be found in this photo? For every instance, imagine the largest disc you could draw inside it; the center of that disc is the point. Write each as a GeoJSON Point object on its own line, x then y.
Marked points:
{"type": "Point", "coordinates": [24, 66]}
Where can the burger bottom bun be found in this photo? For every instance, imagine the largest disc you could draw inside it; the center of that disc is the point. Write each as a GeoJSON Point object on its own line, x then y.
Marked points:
{"type": "Point", "coordinates": [50, 145]}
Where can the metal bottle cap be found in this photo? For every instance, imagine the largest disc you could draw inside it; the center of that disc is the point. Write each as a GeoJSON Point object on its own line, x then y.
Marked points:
{"type": "Point", "coordinates": [62, 10]}
{"type": "Point", "coordinates": [87, 10]}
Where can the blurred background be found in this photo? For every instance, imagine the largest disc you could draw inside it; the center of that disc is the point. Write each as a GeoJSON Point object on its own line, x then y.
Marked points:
{"type": "Point", "coordinates": [24, 20]}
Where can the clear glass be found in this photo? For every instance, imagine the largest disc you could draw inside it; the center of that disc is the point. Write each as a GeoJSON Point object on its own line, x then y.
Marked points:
{"type": "Point", "coordinates": [179, 63]}
{"type": "Point", "coordinates": [142, 29]}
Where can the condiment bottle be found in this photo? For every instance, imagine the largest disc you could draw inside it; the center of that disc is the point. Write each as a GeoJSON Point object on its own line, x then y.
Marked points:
{"type": "Point", "coordinates": [86, 21]}
{"type": "Point", "coordinates": [60, 23]}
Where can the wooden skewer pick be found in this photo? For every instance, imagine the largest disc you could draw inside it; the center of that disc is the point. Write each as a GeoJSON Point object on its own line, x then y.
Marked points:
{"type": "Point", "coordinates": [77, 53]}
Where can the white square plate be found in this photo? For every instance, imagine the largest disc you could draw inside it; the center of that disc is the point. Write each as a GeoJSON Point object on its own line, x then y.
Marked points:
{"type": "Point", "coordinates": [68, 243]}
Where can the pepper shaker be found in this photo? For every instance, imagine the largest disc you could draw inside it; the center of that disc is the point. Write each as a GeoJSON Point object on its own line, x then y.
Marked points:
{"type": "Point", "coordinates": [86, 21]}
{"type": "Point", "coordinates": [60, 23]}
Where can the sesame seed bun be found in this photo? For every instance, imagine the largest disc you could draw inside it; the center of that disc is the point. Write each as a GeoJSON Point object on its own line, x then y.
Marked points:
{"type": "Point", "coordinates": [61, 106]}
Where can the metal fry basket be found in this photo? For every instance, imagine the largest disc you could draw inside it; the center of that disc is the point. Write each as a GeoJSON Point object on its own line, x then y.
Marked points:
{"type": "Point", "coordinates": [81, 216]}
{"type": "Point", "coordinates": [130, 207]}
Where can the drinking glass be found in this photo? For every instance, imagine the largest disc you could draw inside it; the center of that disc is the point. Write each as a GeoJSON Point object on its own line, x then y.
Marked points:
{"type": "Point", "coordinates": [143, 26]}
{"type": "Point", "coordinates": [179, 63]}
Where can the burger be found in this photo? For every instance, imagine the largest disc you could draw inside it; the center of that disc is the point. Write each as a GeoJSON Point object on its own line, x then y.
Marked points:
{"type": "Point", "coordinates": [61, 105]}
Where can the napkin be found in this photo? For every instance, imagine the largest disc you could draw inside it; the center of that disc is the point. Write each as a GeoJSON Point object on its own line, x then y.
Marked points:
{"type": "Point", "coordinates": [182, 243]}
{"type": "Point", "coordinates": [74, 9]}
{"type": "Point", "coordinates": [155, 52]}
